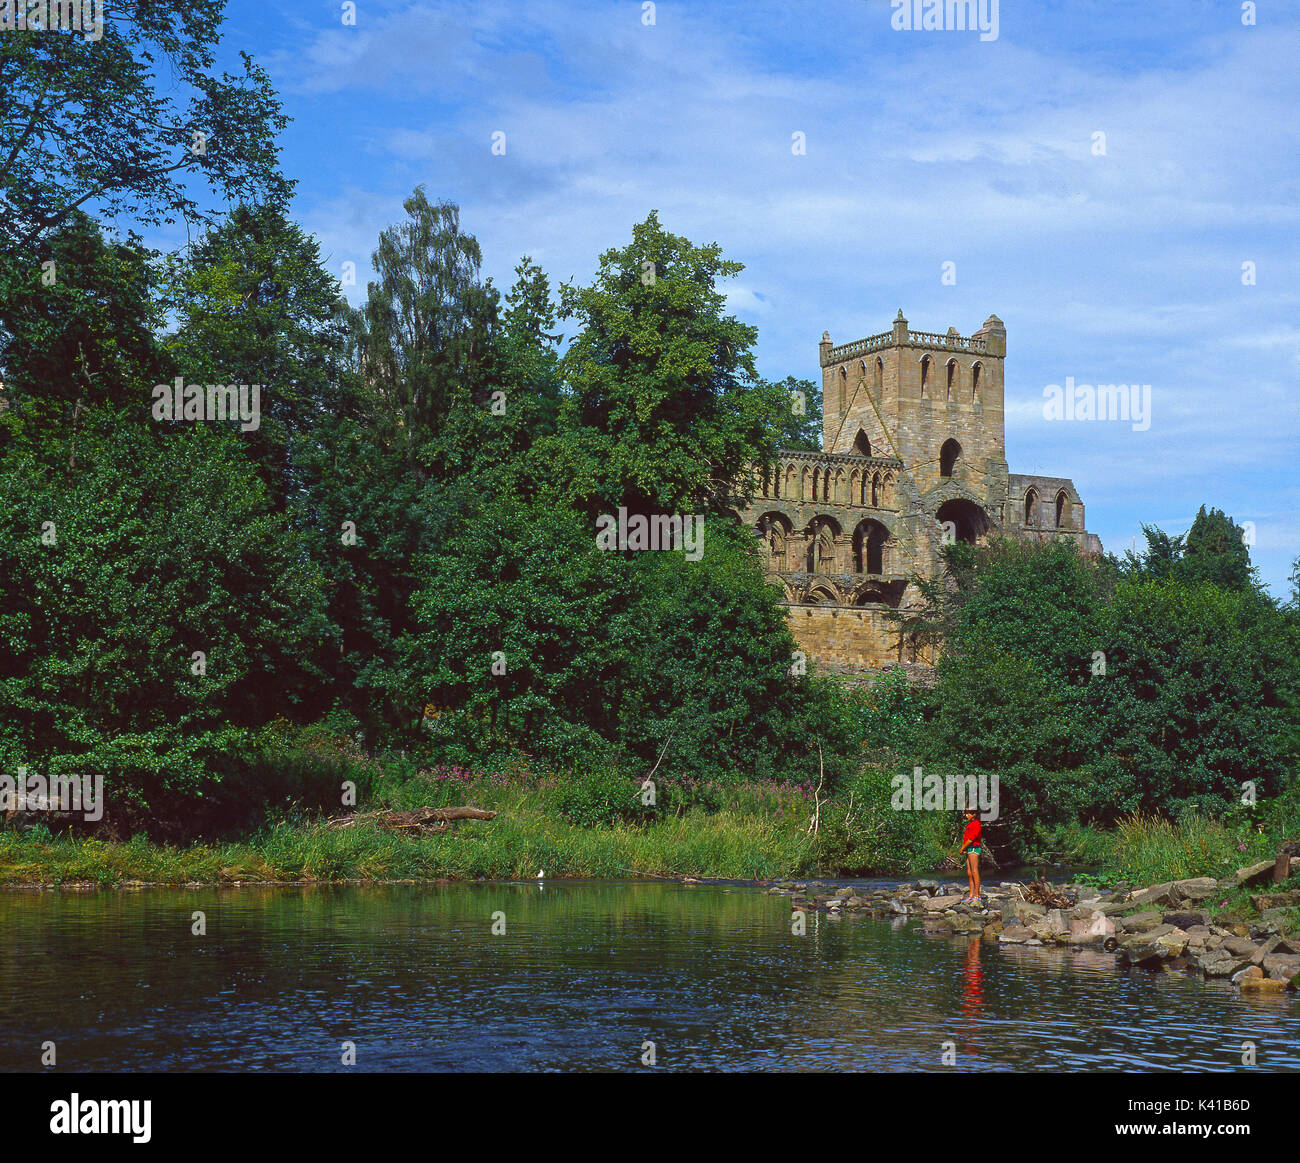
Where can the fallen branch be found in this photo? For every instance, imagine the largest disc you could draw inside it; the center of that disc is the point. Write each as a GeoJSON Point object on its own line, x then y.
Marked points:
{"type": "Point", "coordinates": [414, 820]}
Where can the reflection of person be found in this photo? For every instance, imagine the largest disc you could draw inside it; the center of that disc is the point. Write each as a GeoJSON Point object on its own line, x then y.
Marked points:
{"type": "Point", "coordinates": [971, 849]}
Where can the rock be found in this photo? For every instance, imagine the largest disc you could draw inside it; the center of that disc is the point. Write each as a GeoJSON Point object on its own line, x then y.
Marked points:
{"type": "Point", "coordinates": [1159, 944]}
{"type": "Point", "coordinates": [1249, 971]}
{"type": "Point", "coordinates": [1198, 888]}
{"type": "Point", "coordinates": [930, 884]}
{"type": "Point", "coordinates": [938, 903]}
{"type": "Point", "coordinates": [1221, 963]}
{"type": "Point", "coordinates": [844, 893]}
{"type": "Point", "coordinates": [1016, 911]}
{"type": "Point", "coordinates": [1015, 935]}
{"type": "Point", "coordinates": [1254, 873]}
{"type": "Point", "coordinates": [962, 924]}
{"type": "Point", "coordinates": [1282, 966]}
{"type": "Point", "coordinates": [1262, 985]}
{"type": "Point", "coordinates": [1242, 946]}
{"type": "Point", "coordinates": [1140, 922]}
{"type": "Point", "coordinates": [1157, 894]}
{"type": "Point", "coordinates": [1288, 944]}
{"type": "Point", "coordinates": [896, 906]}
{"type": "Point", "coordinates": [1273, 916]}
{"type": "Point", "coordinates": [1275, 900]}
{"type": "Point", "coordinates": [1091, 930]}
{"type": "Point", "coordinates": [1187, 920]}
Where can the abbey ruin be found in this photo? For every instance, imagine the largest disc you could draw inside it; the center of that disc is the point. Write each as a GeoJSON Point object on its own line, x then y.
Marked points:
{"type": "Point", "coordinates": [913, 455]}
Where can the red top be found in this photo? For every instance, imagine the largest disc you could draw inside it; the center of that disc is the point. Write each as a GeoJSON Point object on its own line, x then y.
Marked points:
{"type": "Point", "coordinates": [971, 836]}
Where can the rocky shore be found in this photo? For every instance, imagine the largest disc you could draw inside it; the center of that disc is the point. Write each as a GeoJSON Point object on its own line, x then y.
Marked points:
{"type": "Point", "coordinates": [1162, 926]}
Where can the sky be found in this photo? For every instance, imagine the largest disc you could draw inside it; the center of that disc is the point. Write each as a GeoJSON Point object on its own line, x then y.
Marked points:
{"type": "Point", "coordinates": [1099, 175]}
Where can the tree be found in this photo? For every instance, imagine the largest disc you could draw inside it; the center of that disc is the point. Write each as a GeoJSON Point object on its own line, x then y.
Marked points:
{"type": "Point", "coordinates": [425, 335]}
{"type": "Point", "coordinates": [801, 428]}
{"type": "Point", "coordinates": [86, 122]}
{"type": "Point", "coordinates": [1216, 552]}
{"type": "Point", "coordinates": [152, 609]}
{"type": "Point", "coordinates": [81, 329]}
{"type": "Point", "coordinates": [255, 305]}
{"type": "Point", "coordinates": [666, 412]}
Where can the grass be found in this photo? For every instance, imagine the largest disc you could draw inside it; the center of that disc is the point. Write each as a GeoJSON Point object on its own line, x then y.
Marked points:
{"type": "Point", "coordinates": [761, 833]}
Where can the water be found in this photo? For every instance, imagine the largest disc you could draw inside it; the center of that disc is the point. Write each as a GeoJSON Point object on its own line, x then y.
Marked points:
{"type": "Point", "coordinates": [584, 975]}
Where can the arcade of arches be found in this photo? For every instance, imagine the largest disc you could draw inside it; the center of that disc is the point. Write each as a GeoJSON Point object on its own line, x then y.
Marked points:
{"type": "Point", "coordinates": [912, 457]}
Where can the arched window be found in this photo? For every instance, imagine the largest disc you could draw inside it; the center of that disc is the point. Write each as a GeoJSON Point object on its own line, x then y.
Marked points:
{"type": "Point", "coordinates": [880, 374]}
{"type": "Point", "coordinates": [949, 456]}
{"type": "Point", "coordinates": [1062, 510]}
{"type": "Point", "coordinates": [875, 491]}
{"type": "Point", "coordinates": [952, 380]}
{"type": "Point", "coordinates": [1031, 508]}
{"type": "Point", "coordinates": [925, 376]}
{"type": "Point", "coordinates": [862, 446]}
{"type": "Point", "coordinates": [844, 389]}
{"type": "Point", "coordinates": [869, 547]}
{"type": "Point", "coordinates": [975, 382]}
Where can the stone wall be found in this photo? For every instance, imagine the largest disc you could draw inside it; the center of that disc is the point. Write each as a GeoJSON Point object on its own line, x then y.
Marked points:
{"type": "Point", "coordinates": [914, 455]}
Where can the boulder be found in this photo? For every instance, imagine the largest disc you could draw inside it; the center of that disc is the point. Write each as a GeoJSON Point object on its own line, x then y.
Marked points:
{"type": "Point", "coordinates": [1157, 894]}
{"type": "Point", "coordinates": [1187, 920]}
{"type": "Point", "coordinates": [1242, 946]}
{"type": "Point", "coordinates": [1159, 944]}
{"type": "Point", "coordinates": [1091, 930]}
{"type": "Point", "coordinates": [939, 903]}
{"type": "Point", "coordinates": [1275, 900]}
{"type": "Point", "coordinates": [845, 893]}
{"type": "Point", "coordinates": [1141, 922]}
{"type": "Point", "coordinates": [1198, 888]}
{"type": "Point", "coordinates": [1282, 966]}
{"type": "Point", "coordinates": [1254, 873]}
{"type": "Point", "coordinates": [1015, 910]}
{"type": "Point", "coordinates": [1015, 935]}
{"type": "Point", "coordinates": [1249, 971]}
{"type": "Point", "coordinates": [1262, 985]}
{"type": "Point", "coordinates": [1221, 963]}
{"type": "Point", "coordinates": [963, 924]}
{"type": "Point", "coordinates": [1288, 944]}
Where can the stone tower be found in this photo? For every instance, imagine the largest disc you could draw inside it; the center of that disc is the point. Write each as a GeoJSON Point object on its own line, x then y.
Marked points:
{"type": "Point", "coordinates": [913, 455]}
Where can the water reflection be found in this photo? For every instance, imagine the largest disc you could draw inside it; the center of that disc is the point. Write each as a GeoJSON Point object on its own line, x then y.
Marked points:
{"type": "Point", "coordinates": [576, 977]}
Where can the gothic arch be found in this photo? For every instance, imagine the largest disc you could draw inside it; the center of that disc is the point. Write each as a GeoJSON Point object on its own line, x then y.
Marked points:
{"type": "Point", "coordinates": [1062, 510]}
{"type": "Point", "coordinates": [949, 458]}
{"type": "Point", "coordinates": [1031, 507]}
{"type": "Point", "coordinates": [964, 519]}
{"type": "Point", "coordinates": [925, 376]}
{"type": "Point", "coordinates": [822, 554]}
{"type": "Point", "coordinates": [869, 541]}
{"type": "Point", "coordinates": [862, 443]}
{"type": "Point", "coordinates": [952, 387]}
{"type": "Point", "coordinates": [976, 369]}
{"type": "Point", "coordinates": [775, 529]}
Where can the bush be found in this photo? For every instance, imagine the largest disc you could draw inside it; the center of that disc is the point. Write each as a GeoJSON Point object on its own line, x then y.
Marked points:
{"type": "Point", "coordinates": [599, 794]}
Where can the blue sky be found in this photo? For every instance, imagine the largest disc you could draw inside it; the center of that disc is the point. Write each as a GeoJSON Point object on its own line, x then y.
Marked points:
{"type": "Point", "coordinates": [922, 148]}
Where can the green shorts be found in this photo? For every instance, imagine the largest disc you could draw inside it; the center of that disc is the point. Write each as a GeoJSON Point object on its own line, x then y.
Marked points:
{"type": "Point", "coordinates": [976, 849]}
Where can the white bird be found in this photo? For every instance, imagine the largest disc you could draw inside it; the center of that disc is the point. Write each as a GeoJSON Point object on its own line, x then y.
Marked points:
{"type": "Point", "coordinates": [541, 874]}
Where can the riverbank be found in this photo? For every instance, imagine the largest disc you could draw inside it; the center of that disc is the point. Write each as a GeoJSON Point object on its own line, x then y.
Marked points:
{"type": "Point", "coordinates": [1244, 928]}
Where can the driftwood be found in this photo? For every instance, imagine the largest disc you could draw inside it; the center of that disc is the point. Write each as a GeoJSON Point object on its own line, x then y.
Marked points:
{"type": "Point", "coordinates": [416, 820]}
{"type": "Point", "coordinates": [1042, 893]}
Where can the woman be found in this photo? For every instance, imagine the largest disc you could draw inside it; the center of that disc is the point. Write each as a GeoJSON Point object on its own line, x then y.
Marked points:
{"type": "Point", "coordinates": [971, 847]}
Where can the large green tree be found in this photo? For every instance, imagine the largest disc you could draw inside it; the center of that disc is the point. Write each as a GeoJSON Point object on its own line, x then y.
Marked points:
{"type": "Point", "coordinates": [134, 123]}
{"type": "Point", "coordinates": [666, 412]}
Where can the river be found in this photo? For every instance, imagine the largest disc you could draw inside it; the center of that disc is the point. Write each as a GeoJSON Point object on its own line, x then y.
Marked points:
{"type": "Point", "coordinates": [577, 976]}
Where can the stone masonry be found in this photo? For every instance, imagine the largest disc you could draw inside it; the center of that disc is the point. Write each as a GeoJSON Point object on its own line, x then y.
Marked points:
{"type": "Point", "coordinates": [914, 455]}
